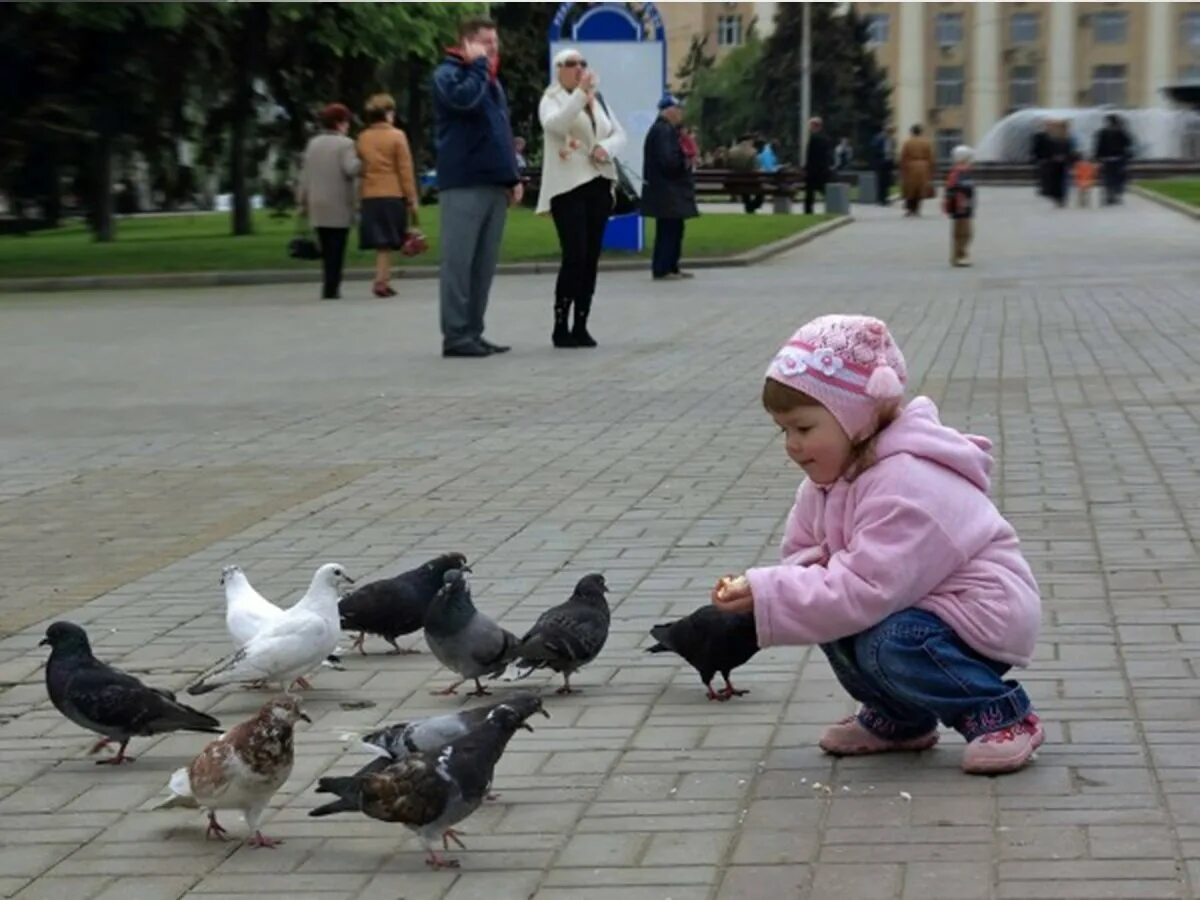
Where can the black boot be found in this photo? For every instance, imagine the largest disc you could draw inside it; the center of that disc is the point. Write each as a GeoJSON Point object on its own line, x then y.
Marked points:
{"type": "Point", "coordinates": [580, 333]}
{"type": "Point", "coordinates": [561, 336]}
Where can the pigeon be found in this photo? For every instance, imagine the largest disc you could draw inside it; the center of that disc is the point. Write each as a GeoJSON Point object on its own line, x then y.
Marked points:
{"type": "Point", "coordinates": [393, 607]}
{"type": "Point", "coordinates": [463, 639]}
{"type": "Point", "coordinates": [247, 611]}
{"type": "Point", "coordinates": [711, 641]}
{"type": "Point", "coordinates": [289, 647]}
{"type": "Point", "coordinates": [432, 791]}
{"type": "Point", "coordinates": [566, 637]}
{"type": "Point", "coordinates": [108, 701]}
{"type": "Point", "coordinates": [393, 743]}
{"type": "Point", "coordinates": [242, 769]}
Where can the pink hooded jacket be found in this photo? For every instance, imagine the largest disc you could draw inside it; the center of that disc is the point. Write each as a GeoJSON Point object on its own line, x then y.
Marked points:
{"type": "Point", "coordinates": [916, 529]}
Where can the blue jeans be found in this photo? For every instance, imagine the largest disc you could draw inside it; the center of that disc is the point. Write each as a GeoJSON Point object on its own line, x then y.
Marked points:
{"type": "Point", "coordinates": [911, 670]}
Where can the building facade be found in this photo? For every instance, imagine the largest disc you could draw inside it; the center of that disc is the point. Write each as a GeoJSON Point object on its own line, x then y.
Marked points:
{"type": "Point", "coordinates": [719, 27]}
{"type": "Point", "coordinates": [960, 67]}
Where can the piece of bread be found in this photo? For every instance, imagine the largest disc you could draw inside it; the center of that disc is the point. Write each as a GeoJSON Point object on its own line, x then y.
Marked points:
{"type": "Point", "coordinates": [727, 586]}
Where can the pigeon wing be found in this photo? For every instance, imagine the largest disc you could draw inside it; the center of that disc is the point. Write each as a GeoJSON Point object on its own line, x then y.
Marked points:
{"type": "Point", "coordinates": [115, 700]}
{"type": "Point", "coordinates": [247, 611]}
{"type": "Point", "coordinates": [411, 792]}
{"type": "Point", "coordinates": [566, 636]}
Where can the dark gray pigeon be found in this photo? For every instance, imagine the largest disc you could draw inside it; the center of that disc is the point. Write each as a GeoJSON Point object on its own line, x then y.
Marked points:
{"type": "Point", "coordinates": [566, 637]}
{"type": "Point", "coordinates": [463, 639]}
{"type": "Point", "coordinates": [107, 701]}
{"type": "Point", "coordinates": [711, 641]}
{"type": "Point", "coordinates": [431, 791]}
{"type": "Point", "coordinates": [393, 607]}
{"type": "Point", "coordinates": [393, 743]}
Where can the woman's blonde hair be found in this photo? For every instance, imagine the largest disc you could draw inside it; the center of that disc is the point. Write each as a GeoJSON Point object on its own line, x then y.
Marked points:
{"type": "Point", "coordinates": [378, 106]}
{"type": "Point", "coordinates": [780, 399]}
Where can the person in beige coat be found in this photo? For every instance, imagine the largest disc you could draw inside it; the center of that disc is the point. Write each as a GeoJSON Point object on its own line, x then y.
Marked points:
{"type": "Point", "coordinates": [916, 171]}
{"type": "Point", "coordinates": [326, 194]}
{"type": "Point", "coordinates": [582, 137]}
{"type": "Point", "coordinates": [389, 189]}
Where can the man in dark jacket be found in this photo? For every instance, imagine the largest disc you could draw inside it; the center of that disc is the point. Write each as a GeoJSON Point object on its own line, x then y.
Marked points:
{"type": "Point", "coordinates": [668, 189]}
{"type": "Point", "coordinates": [477, 180]}
{"type": "Point", "coordinates": [817, 161]}
{"type": "Point", "coordinates": [1113, 149]}
{"type": "Point", "coordinates": [883, 160]}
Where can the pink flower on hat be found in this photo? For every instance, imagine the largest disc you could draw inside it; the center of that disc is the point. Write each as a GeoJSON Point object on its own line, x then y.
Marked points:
{"type": "Point", "coordinates": [790, 362]}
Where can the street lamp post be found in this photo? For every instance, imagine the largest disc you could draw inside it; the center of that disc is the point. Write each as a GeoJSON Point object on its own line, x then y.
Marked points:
{"type": "Point", "coordinates": [805, 79]}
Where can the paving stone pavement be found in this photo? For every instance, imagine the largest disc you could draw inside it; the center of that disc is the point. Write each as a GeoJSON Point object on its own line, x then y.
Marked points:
{"type": "Point", "coordinates": [148, 439]}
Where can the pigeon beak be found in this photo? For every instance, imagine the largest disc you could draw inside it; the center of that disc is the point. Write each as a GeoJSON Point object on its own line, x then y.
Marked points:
{"type": "Point", "coordinates": [527, 727]}
{"type": "Point", "coordinates": [306, 718]}
{"type": "Point", "coordinates": [467, 568]}
{"type": "Point", "coordinates": [44, 642]}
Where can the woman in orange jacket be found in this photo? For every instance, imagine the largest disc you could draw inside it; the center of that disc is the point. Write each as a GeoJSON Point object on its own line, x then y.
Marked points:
{"type": "Point", "coordinates": [389, 189]}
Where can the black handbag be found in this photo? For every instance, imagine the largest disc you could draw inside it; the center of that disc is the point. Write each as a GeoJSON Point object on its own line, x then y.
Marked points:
{"type": "Point", "coordinates": [302, 246]}
{"type": "Point", "coordinates": [626, 197]}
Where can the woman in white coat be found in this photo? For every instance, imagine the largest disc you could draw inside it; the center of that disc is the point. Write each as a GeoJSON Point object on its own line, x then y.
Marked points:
{"type": "Point", "coordinates": [578, 177]}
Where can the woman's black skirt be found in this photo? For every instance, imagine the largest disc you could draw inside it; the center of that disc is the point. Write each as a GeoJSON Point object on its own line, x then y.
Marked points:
{"type": "Point", "coordinates": [384, 223]}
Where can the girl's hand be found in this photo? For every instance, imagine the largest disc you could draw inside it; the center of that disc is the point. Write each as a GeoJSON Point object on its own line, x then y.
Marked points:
{"type": "Point", "coordinates": [732, 594]}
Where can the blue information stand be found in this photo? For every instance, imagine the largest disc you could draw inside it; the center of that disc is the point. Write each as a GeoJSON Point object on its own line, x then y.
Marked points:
{"type": "Point", "coordinates": [632, 68]}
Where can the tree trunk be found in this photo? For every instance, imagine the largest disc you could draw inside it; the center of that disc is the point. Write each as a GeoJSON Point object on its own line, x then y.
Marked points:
{"type": "Point", "coordinates": [256, 19]}
{"type": "Point", "coordinates": [103, 219]}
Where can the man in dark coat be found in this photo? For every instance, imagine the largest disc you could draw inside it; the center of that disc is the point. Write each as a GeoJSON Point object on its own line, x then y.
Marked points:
{"type": "Point", "coordinates": [818, 160]}
{"type": "Point", "coordinates": [883, 160]}
{"type": "Point", "coordinates": [477, 180]}
{"type": "Point", "coordinates": [1113, 149]}
{"type": "Point", "coordinates": [668, 189]}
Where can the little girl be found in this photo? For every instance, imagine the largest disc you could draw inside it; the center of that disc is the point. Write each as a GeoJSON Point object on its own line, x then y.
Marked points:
{"type": "Point", "coordinates": [894, 559]}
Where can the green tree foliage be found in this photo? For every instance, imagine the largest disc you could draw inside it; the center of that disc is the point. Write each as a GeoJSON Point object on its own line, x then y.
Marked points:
{"type": "Point", "coordinates": [756, 87]}
{"type": "Point", "coordinates": [81, 83]}
{"type": "Point", "coordinates": [694, 65]}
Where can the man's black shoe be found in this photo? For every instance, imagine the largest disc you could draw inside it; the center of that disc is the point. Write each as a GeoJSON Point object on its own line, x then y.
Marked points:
{"type": "Point", "coordinates": [493, 348]}
{"type": "Point", "coordinates": [467, 350]}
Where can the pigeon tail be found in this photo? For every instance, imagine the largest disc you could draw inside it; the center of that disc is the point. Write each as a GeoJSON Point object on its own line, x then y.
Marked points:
{"type": "Point", "coordinates": [189, 719]}
{"type": "Point", "coordinates": [348, 790]}
{"type": "Point", "coordinates": [662, 634]}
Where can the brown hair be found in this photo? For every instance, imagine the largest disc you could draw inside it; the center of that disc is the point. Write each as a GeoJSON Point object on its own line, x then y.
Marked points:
{"type": "Point", "coordinates": [780, 399]}
{"type": "Point", "coordinates": [333, 115]}
{"type": "Point", "coordinates": [378, 106]}
{"type": "Point", "coordinates": [468, 28]}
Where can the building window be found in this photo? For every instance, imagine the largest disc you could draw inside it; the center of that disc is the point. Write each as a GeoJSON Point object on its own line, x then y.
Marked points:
{"type": "Point", "coordinates": [1022, 87]}
{"type": "Point", "coordinates": [1109, 27]}
{"type": "Point", "coordinates": [1023, 28]}
{"type": "Point", "coordinates": [948, 29]}
{"type": "Point", "coordinates": [1190, 29]}
{"type": "Point", "coordinates": [948, 86]}
{"type": "Point", "coordinates": [946, 140]}
{"type": "Point", "coordinates": [878, 28]}
{"type": "Point", "coordinates": [1108, 85]}
{"type": "Point", "coordinates": [729, 31]}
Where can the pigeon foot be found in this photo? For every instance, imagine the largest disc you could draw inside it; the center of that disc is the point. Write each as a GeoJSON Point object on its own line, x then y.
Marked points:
{"type": "Point", "coordinates": [358, 643]}
{"type": "Point", "coordinates": [214, 828]}
{"type": "Point", "coordinates": [99, 745]}
{"type": "Point", "coordinates": [451, 835]}
{"type": "Point", "coordinates": [480, 690]}
{"type": "Point", "coordinates": [261, 840]}
{"type": "Point", "coordinates": [434, 861]}
{"type": "Point", "coordinates": [302, 683]}
{"type": "Point", "coordinates": [119, 759]}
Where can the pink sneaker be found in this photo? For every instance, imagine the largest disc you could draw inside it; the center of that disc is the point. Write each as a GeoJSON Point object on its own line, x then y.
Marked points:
{"type": "Point", "coordinates": [1006, 750]}
{"type": "Point", "coordinates": [849, 738]}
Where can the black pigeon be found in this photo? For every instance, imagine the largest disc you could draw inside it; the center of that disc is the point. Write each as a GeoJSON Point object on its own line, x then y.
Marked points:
{"type": "Point", "coordinates": [711, 641]}
{"type": "Point", "coordinates": [393, 607]}
{"type": "Point", "coordinates": [463, 639]}
{"type": "Point", "coordinates": [567, 637]}
{"type": "Point", "coordinates": [107, 701]}
{"type": "Point", "coordinates": [430, 792]}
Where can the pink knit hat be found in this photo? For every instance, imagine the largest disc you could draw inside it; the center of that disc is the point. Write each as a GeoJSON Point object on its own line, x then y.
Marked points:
{"type": "Point", "coordinates": [849, 364]}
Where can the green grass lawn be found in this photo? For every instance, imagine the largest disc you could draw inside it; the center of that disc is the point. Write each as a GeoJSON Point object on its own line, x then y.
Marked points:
{"type": "Point", "coordinates": [201, 242]}
{"type": "Point", "coordinates": [1185, 189]}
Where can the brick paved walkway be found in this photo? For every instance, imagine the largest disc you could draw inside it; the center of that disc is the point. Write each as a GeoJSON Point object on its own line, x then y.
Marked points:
{"type": "Point", "coordinates": [147, 440]}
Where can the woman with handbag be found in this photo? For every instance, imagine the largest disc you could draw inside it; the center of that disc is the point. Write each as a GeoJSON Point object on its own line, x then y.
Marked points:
{"type": "Point", "coordinates": [389, 189]}
{"type": "Point", "coordinates": [579, 175]}
{"type": "Point", "coordinates": [326, 194]}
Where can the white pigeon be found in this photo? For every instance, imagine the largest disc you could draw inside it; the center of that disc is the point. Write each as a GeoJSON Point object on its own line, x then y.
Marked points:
{"type": "Point", "coordinates": [293, 645]}
{"type": "Point", "coordinates": [247, 611]}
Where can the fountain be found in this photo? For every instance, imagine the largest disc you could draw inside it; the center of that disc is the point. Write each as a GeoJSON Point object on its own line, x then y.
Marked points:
{"type": "Point", "coordinates": [1157, 133]}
